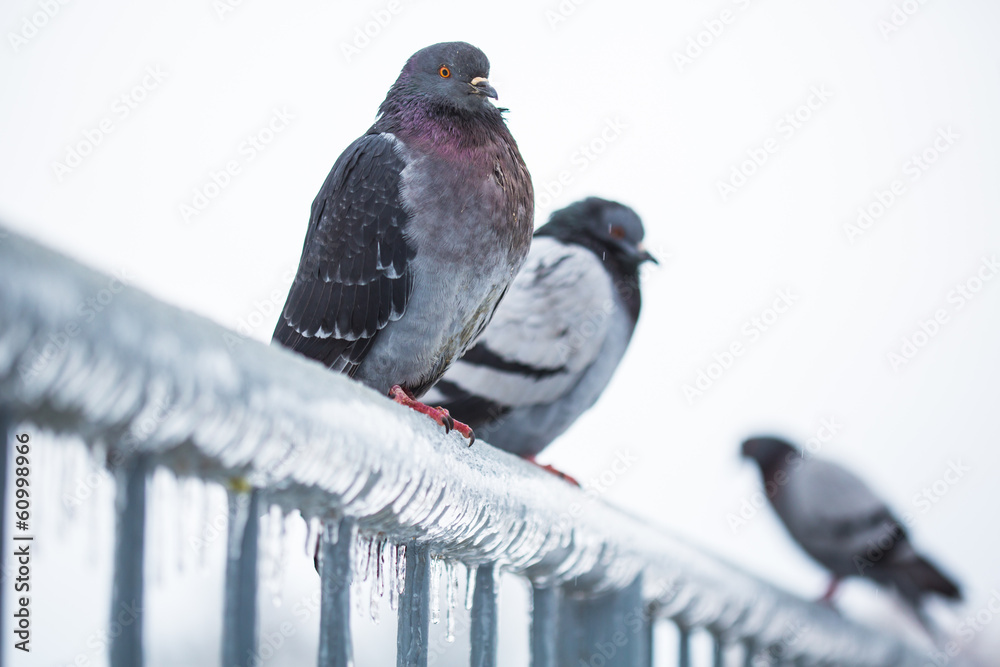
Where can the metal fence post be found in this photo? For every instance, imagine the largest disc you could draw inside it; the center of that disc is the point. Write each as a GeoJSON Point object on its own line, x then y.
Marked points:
{"type": "Point", "coordinates": [335, 565]}
{"type": "Point", "coordinates": [718, 651]}
{"type": "Point", "coordinates": [612, 630]}
{"type": "Point", "coordinates": [414, 609]}
{"type": "Point", "coordinates": [130, 548]}
{"type": "Point", "coordinates": [239, 625]}
{"type": "Point", "coordinates": [544, 625]}
{"type": "Point", "coordinates": [749, 652]}
{"type": "Point", "coordinates": [484, 617]}
{"type": "Point", "coordinates": [683, 646]}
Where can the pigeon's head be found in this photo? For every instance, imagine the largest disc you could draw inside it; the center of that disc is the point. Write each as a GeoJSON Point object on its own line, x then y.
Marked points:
{"type": "Point", "coordinates": [768, 452]}
{"type": "Point", "coordinates": [449, 75]}
{"type": "Point", "coordinates": [613, 227]}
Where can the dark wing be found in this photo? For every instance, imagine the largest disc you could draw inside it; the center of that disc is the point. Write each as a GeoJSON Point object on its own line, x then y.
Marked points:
{"type": "Point", "coordinates": [354, 275]}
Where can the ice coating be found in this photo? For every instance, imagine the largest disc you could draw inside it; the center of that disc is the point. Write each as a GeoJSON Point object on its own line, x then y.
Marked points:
{"type": "Point", "coordinates": [320, 443]}
{"type": "Point", "coordinates": [451, 592]}
{"type": "Point", "coordinates": [435, 590]}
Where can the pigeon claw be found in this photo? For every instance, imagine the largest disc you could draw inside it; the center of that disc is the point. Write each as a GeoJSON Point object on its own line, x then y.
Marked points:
{"type": "Point", "coordinates": [439, 415]}
{"type": "Point", "coordinates": [448, 421]}
{"type": "Point", "coordinates": [466, 431]}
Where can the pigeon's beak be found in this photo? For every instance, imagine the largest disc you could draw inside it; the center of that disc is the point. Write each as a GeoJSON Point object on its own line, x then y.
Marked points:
{"type": "Point", "coordinates": [481, 86]}
{"type": "Point", "coordinates": [644, 256]}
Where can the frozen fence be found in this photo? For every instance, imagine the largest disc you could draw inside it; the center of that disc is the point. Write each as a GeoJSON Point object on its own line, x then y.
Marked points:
{"type": "Point", "coordinates": [81, 353]}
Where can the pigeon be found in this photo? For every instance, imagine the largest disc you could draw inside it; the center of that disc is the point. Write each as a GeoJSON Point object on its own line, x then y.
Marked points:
{"type": "Point", "coordinates": [560, 333]}
{"type": "Point", "coordinates": [839, 521]}
{"type": "Point", "coordinates": [415, 235]}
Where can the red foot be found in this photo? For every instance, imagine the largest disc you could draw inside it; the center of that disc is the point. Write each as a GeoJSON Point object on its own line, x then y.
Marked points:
{"type": "Point", "coordinates": [548, 468]}
{"type": "Point", "coordinates": [831, 590]}
{"type": "Point", "coordinates": [440, 415]}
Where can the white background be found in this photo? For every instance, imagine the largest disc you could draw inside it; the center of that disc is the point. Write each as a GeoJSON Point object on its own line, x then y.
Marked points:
{"type": "Point", "coordinates": [683, 130]}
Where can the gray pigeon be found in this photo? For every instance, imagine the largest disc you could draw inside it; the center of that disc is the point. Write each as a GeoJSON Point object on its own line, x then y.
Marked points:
{"type": "Point", "coordinates": [841, 523]}
{"type": "Point", "coordinates": [560, 333]}
{"type": "Point", "coordinates": [415, 235]}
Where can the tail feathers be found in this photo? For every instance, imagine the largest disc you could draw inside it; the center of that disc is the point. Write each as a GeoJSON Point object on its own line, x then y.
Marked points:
{"type": "Point", "coordinates": [919, 576]}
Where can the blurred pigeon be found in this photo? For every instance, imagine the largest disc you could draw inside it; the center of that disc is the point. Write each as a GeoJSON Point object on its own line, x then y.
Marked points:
{"type": "Point", "coordinates": [416, 233]}
{"type": "Point", "coordinates": [560, 333]}
{"type": "Point", "coordinates": [840, 522]}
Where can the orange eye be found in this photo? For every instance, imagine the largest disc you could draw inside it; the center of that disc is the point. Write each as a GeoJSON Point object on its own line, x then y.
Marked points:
{"type": "Point", "coordinates": [444, 72]}
{"type": "Point", "coordinates": [617, 233]}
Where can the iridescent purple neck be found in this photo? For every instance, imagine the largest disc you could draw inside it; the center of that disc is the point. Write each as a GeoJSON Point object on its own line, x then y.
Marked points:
{"type": "Point", "coordinates": [449, 133]}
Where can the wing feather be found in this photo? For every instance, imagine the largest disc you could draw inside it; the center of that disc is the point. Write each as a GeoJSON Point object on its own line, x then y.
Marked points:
{"type": "Point", "coordinates": [353, 276]}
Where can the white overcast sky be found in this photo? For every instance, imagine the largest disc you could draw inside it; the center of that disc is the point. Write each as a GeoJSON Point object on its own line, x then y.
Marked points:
{"type": "Point", "coordinates": [161, 96]}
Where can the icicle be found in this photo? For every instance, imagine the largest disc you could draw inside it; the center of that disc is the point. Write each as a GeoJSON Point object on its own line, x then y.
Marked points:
{"type": "Point", "coordinates": [184, 517]}
{"type": "Point", "coordinates": [334, 523]}
{"type": "Point", "coordinates": [356, 596]}
{"type": "Point", "coordinates": [93, 552]}
{"type": "Point", "coordinates": [435, 590]}
{"type": "Point", "coordinates": [273, 566]}
{"type": "Point", "coordinates": [380, 574]}
{"type": "Point", "coordinates": [238, 517]}
{"type": "Point", "coordinates": [400, 568]}
{"type": "Point", "coordinates": [451, 593]}
{"type": "Point", "coordinates": [470, 585]}
{"type": "Point", "coordinates": [93, 516]}
{"type": "Point", "coordinates": [66, 482]}
{"type": "Point", "coordinates": [374, 605]}
{"type": "Point", "coordinates": [358, 550]}
{"type": "Point", "coordinates": [277, 584]}
{"type": "Point", "coordinates": [70, 477]}
{"type": "Point", "coordinates": [449, 627]}
{"type": "Point", "coordinates": [370, 552]}
{"type": "Point", "coordinates": [393, 577]}
{"type": "Point", "coordinates": [312, 535]}
{"type": "Point", "coordinates": [202, 530]}
{"type": "Point", "coordinates": [363, 576]}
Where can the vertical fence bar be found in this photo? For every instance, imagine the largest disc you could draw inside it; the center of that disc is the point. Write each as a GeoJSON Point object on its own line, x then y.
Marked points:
{"type": "Point", "coordinates": [239, 625]}
{"type": "Point", "coordinates": [718, 651]}
{"type": "Point", "coordinates": [646, 659]}
{"type": "Point", "coordinates": [414, 609]}
{"type": "Point", "coordinates": [749, 651]}
{"type": "Point", "coordinates": [638, 624]}
{"type": "Point", "coordinates": [612, 630]}
{"type": "Point", "coordinates": [7, 437]}
{"type": "Point", "coordinates": [484, 617]}
{"type": "Point", "coordinates": [683, 646]}
{"type": "Point", "coordinates": [544, 625]}
{"type": "Point", "coordinates": [336, 564]}
{"type": "Point", "coordinates": [130, 548]}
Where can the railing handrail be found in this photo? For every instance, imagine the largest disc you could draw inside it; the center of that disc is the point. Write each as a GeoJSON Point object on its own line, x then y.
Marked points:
{"type": "Point", "coordinates": [223, 407]}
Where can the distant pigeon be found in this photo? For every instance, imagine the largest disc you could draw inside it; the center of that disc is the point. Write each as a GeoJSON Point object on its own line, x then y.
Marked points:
{"type": "Point", "coordinates": [415, 235]}
{"type": "Point", "coordinates": [840, 522]}
{"type": "Point", "coordinates": [560, 333]}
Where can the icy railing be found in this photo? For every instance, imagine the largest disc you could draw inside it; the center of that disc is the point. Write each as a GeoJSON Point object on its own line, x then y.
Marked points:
{"type": "Point", "coordinates": [81, 353]}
